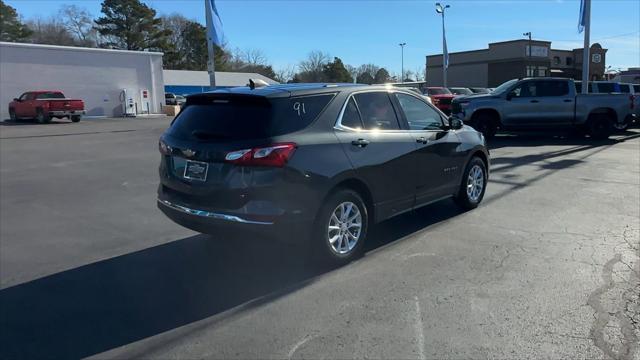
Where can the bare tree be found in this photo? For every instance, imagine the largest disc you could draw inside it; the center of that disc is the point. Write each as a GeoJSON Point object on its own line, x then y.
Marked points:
{"type": "Point", "coordinates": [419, 73]}
{"type": "Point", "coordinates": [78, 21]}
{"type": "Point", "coordinates": [285, 74]}
{"type": "Point", "coordinates": [353, 71]}
{"type": "Point", "coordinates": [254, 57]}
{"type": "Point", "coordinates": [315, 62]}
{"type": "Point", "coordinates": [50, 31]}
{"type": "Point", "coordinates": [370, 69]}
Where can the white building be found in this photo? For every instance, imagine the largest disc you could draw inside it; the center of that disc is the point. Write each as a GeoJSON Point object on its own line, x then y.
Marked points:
{"type": "Point", "coordinates": [184, 82]}
{"type": "Point", "coordinates": [96, 76]}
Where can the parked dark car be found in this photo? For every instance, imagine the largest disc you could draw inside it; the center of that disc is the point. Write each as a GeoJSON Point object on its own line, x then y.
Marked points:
{"type": "Point", "coordinates": [324, 160]}
{"type": "Point", "coordinates": [480, 90]}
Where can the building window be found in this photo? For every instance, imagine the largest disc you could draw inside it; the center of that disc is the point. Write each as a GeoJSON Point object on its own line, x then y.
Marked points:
{"type": "Point", "coordinates": [556, 60]}
{"type": "Point", "coordinates": [569, 61]}
{"type": "Point", "coordinates": [542, 71]}
{"type": "Point", "coordinates": [531, 71]}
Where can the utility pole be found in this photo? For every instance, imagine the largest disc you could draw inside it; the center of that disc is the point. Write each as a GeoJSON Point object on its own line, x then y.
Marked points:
{"type": "Point", "coordinates": [210, 48]}
{"type": "Point", "coordinates": [529, 65]}
{"type": "Point", "coordinates": [402, 45]}
{"type": "Point", "coordinates": [440, 9]}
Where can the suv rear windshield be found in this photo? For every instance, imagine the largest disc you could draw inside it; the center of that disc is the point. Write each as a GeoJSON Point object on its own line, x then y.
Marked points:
{"type": "Point", "coordinates": [245, 117]}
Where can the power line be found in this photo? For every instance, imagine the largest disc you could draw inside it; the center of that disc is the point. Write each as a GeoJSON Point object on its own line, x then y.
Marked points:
{"type": "Point", "coordinates": [603, 38]}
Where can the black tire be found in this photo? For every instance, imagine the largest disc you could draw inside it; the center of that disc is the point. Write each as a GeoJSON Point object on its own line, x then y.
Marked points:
{"type": "Point", "coordinates": [322, 249]}
{"type": "Point", "coordinates": [463, 198]}
{"type": "Point", "coordinates": [12, 115]}
{"type": "Point", "coordinates": [486, 124]}
{"type": "Point", "coordinates": [600, 126]}
{"type": "Point", "coordinates": [75, 118]}
{"type": "Point", "coordinates": [41, 117]}
{"type": "Point", "coordinates": [622, 127]}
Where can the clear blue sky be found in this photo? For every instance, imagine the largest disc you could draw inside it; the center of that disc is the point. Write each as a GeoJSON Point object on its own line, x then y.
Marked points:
{"type": "Point", "coordinates": [369, 31]}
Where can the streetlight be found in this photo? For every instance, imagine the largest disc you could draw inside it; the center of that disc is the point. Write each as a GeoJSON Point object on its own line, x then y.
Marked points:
{"type": "Point", "coordinates": [530, 66]}
{"type": "Point", "coordinates": [440, 10]}
{"type": "Point", "coordinates": [402, 52]}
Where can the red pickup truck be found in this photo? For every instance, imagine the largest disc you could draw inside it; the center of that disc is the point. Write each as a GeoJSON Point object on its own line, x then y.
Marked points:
{"type": "Point", "coordinates": [44, 105]}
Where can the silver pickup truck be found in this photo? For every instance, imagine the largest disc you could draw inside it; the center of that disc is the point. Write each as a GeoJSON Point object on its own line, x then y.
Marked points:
{"type": "Point", "coordinates": [541, 103]}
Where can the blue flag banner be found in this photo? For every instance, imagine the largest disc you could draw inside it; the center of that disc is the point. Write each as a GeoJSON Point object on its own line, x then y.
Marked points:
{"type": "Point", "coordinates": [583, 16]}
{"type": "Point", "coordinates": [214, 31]}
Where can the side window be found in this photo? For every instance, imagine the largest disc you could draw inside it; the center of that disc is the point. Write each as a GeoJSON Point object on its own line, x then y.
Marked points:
{"type": "Point", "coordinates": [624, 88]}
{"type": "Point", "coordinates": [351, 116]}
{"type": "Point", "coordinates": [24, 96]}
{"type": "Point", "coordinates": [552, 88]}
{"type": "Point", "coordinates": [420, 116]}
{"type": "Point", "coordinates": [377, 111]}
{"type": "Point", "coordinates": [527, 89]}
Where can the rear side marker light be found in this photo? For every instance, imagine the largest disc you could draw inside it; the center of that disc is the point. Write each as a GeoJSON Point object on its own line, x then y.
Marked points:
{"type": "Point", "coordinates": [275, 155]}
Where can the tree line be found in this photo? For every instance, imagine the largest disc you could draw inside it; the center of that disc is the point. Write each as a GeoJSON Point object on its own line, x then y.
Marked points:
{"type": "Point", "coordinates": [133, 25]}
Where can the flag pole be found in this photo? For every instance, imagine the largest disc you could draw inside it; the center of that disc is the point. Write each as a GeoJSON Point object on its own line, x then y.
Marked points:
{"type": "Point", "coordinates": [586, 58]}
{"type": "Point", "coordinates": [211, 49]}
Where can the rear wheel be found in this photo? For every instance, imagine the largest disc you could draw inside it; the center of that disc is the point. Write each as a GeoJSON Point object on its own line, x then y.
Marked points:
{"type": "Point", "coordinates": [600, 126]}
{"type": "Point", "coordinates": [75, 118]}
{"type": "Point", "coordinates": [42, 117]}
{"type": "Point", "coordinates": [340, 228]}
{"type": "Point", "coordinates": [486, 124]}
{"type": "Point", "coordinates": [474, 183]}
{"type": "Point", "coordinates": [622, 126]}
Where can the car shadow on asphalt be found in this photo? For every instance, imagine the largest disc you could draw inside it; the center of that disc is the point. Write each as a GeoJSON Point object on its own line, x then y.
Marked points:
{"type": "Point", "coordinates": [117, 301]}
{"type": "Point", "coordinates": [504, 168]}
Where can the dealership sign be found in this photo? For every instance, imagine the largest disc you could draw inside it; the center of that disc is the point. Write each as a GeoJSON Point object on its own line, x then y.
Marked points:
{"type": "Point", "coordinates": [537, 51]}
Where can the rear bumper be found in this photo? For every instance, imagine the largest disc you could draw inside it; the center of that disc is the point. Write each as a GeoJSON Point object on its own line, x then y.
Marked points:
{"type": "Point", "coordinates": [66, 112]}
{"type": "Point", "coordinates": [218, 223]}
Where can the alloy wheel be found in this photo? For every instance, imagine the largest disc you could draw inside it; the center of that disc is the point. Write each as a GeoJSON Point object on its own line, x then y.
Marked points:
{"type": "Point", "coordinates": [475, 183]}
{"type": "Point", "coordinates": [345, 228]}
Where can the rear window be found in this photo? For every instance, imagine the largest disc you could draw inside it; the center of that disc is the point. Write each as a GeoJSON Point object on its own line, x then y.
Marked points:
{"type": "Point", "coordinates": [50, 95]}
{"type": "Point", "coordinates": [606, 87]}
{"type": "Point", "coordinates": [246, 117]}
{"type": "Point", "coordinates": [625, 88]}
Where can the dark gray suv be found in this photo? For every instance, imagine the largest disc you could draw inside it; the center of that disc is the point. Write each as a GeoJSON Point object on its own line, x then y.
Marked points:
{"type": "Point", "coordinates": [325, 160]}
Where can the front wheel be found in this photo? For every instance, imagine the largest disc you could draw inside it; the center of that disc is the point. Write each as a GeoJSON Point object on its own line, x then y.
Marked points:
{"type": "Point", "coordinates": [600, 127]}
{"type": "Point", "coordinates": [340, 228]}
{"type": "Point", "coordinates": [473, 186]}
{"type": "Point", "coordinates": [486, 124]}
{"type": "Point", "coordinates": [75, 118]}
{"type": "Point", "coordinates": [12, 115]}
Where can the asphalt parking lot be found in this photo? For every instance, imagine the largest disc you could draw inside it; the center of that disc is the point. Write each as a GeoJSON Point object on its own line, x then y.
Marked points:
{"type": "Point", "coordinates": [547, 267]}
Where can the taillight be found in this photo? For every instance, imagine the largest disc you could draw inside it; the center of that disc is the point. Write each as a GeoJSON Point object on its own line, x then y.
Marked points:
{"type": "Point", "coordinates": [275, 155]}
{"type": "Point", "coordinates": [164, 148]}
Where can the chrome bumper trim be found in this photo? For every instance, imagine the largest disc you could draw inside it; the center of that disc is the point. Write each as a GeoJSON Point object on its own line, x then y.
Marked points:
{"type": "Point", "coordinates": [211, 215]}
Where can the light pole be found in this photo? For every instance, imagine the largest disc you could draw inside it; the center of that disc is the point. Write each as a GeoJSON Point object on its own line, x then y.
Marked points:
{"type": "Point", "coordinates": [440, 9]}
{"type": "Point", "coordinates": [402, 54]}
{"type": "Point", "coordinates": [529, 65]}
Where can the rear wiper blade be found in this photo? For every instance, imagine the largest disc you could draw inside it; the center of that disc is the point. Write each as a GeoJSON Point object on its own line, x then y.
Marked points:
{"type": "Point", "coordinates": [206, 135]}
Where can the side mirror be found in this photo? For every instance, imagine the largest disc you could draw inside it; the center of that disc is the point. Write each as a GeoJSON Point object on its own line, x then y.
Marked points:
{"type": "Point", "coordinates": [16, 99]}
{"type": "Point", "coordinates": [455, 123]}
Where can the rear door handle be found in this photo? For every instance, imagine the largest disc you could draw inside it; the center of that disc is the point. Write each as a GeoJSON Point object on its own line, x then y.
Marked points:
{"type": "Point", "coordinates": [567, 100]}
{"type": "Point", "coordinates": [360, 142]}
{"type": "Point", "coordinates": [534, 101]}
{"type": "Point", "coordinates": [422, 140]}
